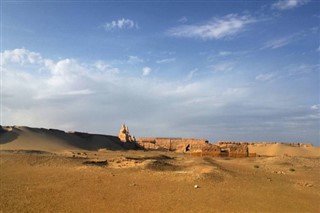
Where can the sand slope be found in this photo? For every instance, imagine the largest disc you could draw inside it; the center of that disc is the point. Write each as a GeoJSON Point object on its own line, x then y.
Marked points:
{"type": "Point", "coordinates": [26, 138]}
{"type": "Point", "coordinates": [157, 182]}
{"type": "Point", "coordinates": [280, 149]}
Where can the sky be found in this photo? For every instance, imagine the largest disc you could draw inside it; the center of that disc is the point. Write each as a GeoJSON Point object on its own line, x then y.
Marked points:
{"type": "Point", "coordinates": [219, 70]}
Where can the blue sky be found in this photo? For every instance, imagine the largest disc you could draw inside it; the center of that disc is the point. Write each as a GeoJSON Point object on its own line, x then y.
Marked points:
{"type": "Point", "coordinates": [221, 70]}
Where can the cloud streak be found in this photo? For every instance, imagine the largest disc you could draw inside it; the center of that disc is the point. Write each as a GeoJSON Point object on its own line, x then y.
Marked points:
{"type": "Point", "coordinates": [277, 43]}
{"type": "Point", "coordinates": [166, 60]}
{"type": "Point", "coordinates": [183, 19]}
{"type": "Point", "coordinates": [288, 4]}
{"type": "Point", "coordinates": [282, 41]}
{"type": "Point", "coordinates": [218, 28]}
{"type": "Point", "coordinates": [134, 59]}
{"type": "Point", "coordinates": [265, 77]}
{"type": "Point", "coordinates": [120, 24]}
{"type": "Point", "coordinates": [222, 67]}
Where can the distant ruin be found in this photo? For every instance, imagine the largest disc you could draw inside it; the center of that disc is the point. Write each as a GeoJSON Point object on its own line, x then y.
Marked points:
{"type": "Point", "coordinates": [124, 134]}
{"type": "Point", "coordinates": [172, 144]}
{"type": "Point", "coordinates": [235, 149]}
{"type": "Point", "coordinates": [197, 147]}
{"type": "Point", "coordinates": [265, 143]}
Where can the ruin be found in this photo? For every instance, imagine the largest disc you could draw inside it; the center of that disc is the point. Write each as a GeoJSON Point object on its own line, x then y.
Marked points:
{"type": "Point", "coordinates": [234, 149]}
{"type": "Point", "coordinates": [124, 134]}
{"type": "Point", "coordinates": [172, 144]}
{"type": "Point", "coordinates": [200, 147]}
{"type": "Point", "coordinates": [196, 147]}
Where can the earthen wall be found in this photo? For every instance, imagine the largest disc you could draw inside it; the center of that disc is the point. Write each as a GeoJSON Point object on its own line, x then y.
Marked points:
{"type": "Point", "coordinates": [172, 144]}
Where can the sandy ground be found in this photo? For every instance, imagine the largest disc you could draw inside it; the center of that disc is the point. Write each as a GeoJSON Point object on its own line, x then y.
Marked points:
{"type": "Point", "coordinates": [138, 181]}
{"type": "Point", "coordinates": [69, 175]}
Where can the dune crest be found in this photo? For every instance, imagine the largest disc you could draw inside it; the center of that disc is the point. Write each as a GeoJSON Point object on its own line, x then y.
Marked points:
{"type": "Point", "coordinates": [51, 140]}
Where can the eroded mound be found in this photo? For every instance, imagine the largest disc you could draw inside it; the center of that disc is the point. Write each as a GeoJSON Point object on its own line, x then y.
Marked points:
{"type": "Point", "coordinates": [161, 165]}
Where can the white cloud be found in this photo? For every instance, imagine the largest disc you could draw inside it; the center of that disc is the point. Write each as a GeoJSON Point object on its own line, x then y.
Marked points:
{"type": "Point", "coordinates": [185, 90]}
{"type": "Point", "coordinates": [218, 55]}
{"type": "Point", "coordinates": [222, 67]}
{"type": "Point", "coordinates": [80, 92]}
{"type": "Point", "coordinates": [265, 77]}
{"type": "Point", "coordinates": [218, 28]}
{"type": "Point", "coordinates": [288, 4]}
{"type": "Point", "coordinates": [166, 60]}
{"type": "Point", "coordinates": [283, 41]}
{"type": "Point", "coordinates": [225, 53]}
{"type": "Point", "coordinates": [92, 97]}
{"type": "Point", "coordinates": [277, 43]}
{"type": "Point", "coordinates": [21, 56]}
{"type": "Point", "coordinates": [104, 67]}
{"type": "Point", "coordinates": [192, 73]}
{"type": "Point", "coordinates": [146, 71]}
{"type": "Point", "coordinates": [42, 95]}
{"type": "Point", "coordinates": [120, 24]}
{"type": "Point", "coordinates": [183, 19]}
{"type": "Point", "coordinates": [302, 69]}
{"type": "Point", "coordinates": [67, 67]}
{"type": "Point", "coordinates": [134, 59]}
{"type": "Point", "coordinates": [315, 107]}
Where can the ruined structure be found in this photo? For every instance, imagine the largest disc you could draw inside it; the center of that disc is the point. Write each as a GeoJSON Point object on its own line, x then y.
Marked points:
{"type": "Point", "coordinates": [265, 143]}
{"type": "Point", "coordinates": [201, 147]}
{"type": "Point", "coordinates": [172, 144]}
{"type": "Point", "coordinates": [124, 134]}
{"type": "Point", "coordinates": [211, 150]}
{"type": "Point", "coordinates": [197, 147]}
{"type": "Point", "coordinates": [234, 149]}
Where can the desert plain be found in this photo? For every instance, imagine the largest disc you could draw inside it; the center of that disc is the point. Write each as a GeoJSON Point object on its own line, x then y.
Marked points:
{"type": "Point", "coordinates": [50, 171]}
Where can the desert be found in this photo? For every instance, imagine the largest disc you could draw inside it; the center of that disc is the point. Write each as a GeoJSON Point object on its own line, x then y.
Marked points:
{"type": "Point", "coordinates": [159, 106]}
{"type": "Point", "coordinates": [47, 170]}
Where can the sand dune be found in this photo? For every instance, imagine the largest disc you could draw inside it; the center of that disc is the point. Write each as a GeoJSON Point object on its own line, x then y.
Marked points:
{"type": "Point", "coordinates": [26, 138]}
{"type": "Point", "coordinates": [280, 149]}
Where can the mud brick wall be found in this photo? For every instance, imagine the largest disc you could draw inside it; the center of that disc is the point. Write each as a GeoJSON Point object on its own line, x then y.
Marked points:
{"type": "Point", "coordinates": [260, 143]}
{"type": "Point", "coordinates": [252, 155]}
{"type": "Point", "coordinates": [172, 144]}
{"type": "Point", "coordinates": [236, 150]}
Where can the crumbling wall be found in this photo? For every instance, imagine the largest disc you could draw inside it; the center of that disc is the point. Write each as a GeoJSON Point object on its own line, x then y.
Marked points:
{"type": "Point", "coordinates": [236, 150]}
{"type": "Point", "coordinates": [211, 150]}
{"type": "Point", "coordinates": [172, 144]}
{"type": "Point", "coordinates": [239, 151]}
{"type": "Point", "coordinates": [264, 143]}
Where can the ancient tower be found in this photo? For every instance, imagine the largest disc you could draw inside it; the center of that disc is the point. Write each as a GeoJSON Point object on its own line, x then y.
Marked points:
{"type": "Point", "coordinates": [124, 134]}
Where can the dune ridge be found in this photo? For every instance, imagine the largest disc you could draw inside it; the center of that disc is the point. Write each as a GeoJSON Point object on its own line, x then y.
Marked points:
{"type": "Point", "coordinates": [280, 149]}
{"type": "Point", "coordinates": [52, 140]}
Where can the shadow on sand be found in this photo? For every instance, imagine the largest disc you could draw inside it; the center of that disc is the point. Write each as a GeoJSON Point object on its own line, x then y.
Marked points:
{"type": "Point", "coordinates": [7, 137]}
{"type": "Point", "coordinates": [77, 140]}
